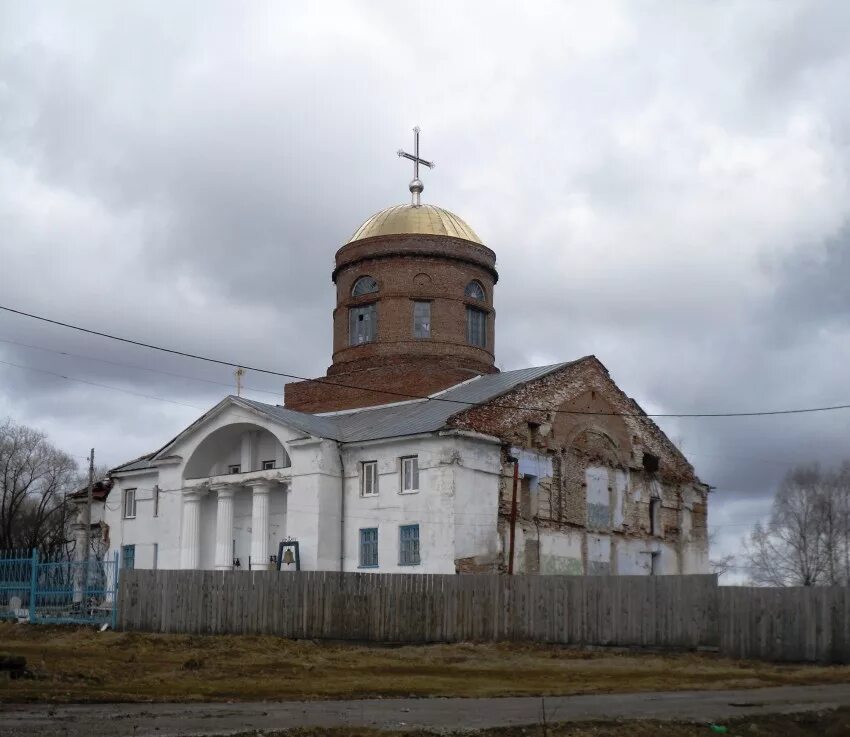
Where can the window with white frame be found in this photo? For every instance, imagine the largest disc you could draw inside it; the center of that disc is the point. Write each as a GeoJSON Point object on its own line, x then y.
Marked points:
{"type": "Point", "coordinates": [268, 465]}
{"type": "Point", "coordinates": [235, 468]}
{"type": "Point", "coordinates": [421, 319]}
{"type": "Point", "coordinates": [408, 545]}
{"type": "Point", "coordinates": [369, 547]}
{"type": "Point", "coordinates": [369, 478]}
{"type": "Point", "coordinates": [409, 474]}
{"type": "Point", "coordinates": [129, 503]}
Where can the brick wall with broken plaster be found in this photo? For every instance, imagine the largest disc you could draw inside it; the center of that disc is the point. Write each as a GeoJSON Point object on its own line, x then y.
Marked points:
{"type": "Point", "coordinates": [585, 495]}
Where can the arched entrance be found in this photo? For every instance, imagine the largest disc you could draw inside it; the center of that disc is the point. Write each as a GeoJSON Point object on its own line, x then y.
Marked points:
{"type": "Point", "coordinates": [234, 499]}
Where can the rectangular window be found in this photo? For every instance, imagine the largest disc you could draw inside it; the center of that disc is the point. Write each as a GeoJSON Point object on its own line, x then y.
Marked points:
{"type": "Point", "coordinates": [476, 327]}
{"type": "Point", "coordinates": [156, 501]}
{"type": "Point", "coordinates": [369, 478]}
{"type": "Point", "coordinates": [410, 474]}
{"type": "Point", "coordinates": [369, 547]}
{"type": "Point", "coordinates": [421, 319]}
{"type": "Point", "coordinates": [362, 324]}
{"type": "Point", "coordinates": [129, 503]}
{"type": "Point", "coordinates": [235, 468]}
{"type": "Point", "coordinates": [128, 557]}
{"type": "Point", "coordinates": [268, 465]}
{"type": "Point", "coordinates": [654, 564]}
{"type": "Point", "coordinates": [408, 545]}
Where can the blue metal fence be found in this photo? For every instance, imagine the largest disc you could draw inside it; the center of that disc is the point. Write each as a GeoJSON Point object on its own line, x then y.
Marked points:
{"type": "Point", "coordinates": [56, 590]}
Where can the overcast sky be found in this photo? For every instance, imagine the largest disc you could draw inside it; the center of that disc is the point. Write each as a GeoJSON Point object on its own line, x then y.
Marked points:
{"type": "Point", "coordinates": [665, 186]}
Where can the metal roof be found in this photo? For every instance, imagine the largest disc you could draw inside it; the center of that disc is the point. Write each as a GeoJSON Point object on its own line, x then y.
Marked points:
{"type": "Point", "coordinates": [397, 420]}
{"type": "Point", "coordinates": [139, 464]}
{"type": "Point", "coordinates": [424, 219]}
{"type": "Point", "coordinates": [408, 418]}
{"type": "Point", "coordinates": [322, 427]}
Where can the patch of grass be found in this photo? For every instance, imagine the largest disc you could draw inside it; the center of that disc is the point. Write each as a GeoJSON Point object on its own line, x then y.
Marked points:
{"type": "Point", "coordinates": [78, 664]}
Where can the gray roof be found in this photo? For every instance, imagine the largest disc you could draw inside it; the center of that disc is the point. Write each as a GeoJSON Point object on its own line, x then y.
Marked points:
{"type": "Point", "coordinates": [139, 464]}
{"type": "Point", "coordinates": [390, 421]}
{"type": "Point", "coordinates": [408, 418]}
{"type": "Point", "coordinates": [322, 427]}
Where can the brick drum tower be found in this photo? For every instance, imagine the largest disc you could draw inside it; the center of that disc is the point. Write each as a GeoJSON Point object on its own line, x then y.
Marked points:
{"type": "Point", "coordinates": [414, 309]}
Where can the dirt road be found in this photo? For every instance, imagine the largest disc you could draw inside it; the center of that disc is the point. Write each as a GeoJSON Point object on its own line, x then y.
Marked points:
{"type": "Point", "coordinates": [170, 720]}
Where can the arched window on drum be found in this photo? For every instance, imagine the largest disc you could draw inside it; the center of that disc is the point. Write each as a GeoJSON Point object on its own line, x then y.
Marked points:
{"type": "Point", "coordinates": [364, 285]}
{"type": "Point", "coordinates": [475, 291]}
{"type": "Point", "coordinates": [363, 319]}
{"type": "Point", "coordinates": [476, 318]}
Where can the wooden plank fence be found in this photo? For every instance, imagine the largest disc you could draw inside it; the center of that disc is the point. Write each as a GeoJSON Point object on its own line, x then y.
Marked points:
{"type": "Point", "coordinates": [644, 611]}
{"type": "Point", "coordinates": [797, 624]}
{"type": "Point", "coordinates": [677, 612]}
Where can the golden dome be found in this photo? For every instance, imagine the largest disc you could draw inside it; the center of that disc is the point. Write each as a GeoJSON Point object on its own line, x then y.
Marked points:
{"type": "Point", "coordinates": [424, 219]}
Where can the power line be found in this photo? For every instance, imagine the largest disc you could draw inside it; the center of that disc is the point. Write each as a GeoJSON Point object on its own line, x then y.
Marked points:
{"type": "Point", "coordinates": [131, 366]}
{"type": "Point", "coordinates": [204, 409]}
{"type": "Point", "coordinates": [101, 386]}
{"type": "Point", "coordinates": [404, 395]}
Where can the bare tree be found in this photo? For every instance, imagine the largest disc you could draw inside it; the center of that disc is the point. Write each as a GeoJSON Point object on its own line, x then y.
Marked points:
{"type": "Point", "coordinates": [35, 478]}
{"type": "Point", "coordinates": [722, 565]}
{"type": "Point", "coordinates": [806, 542]}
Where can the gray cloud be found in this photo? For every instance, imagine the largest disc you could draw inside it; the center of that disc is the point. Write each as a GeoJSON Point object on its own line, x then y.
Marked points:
{"type": "Point", "coordinates": [667, 190]}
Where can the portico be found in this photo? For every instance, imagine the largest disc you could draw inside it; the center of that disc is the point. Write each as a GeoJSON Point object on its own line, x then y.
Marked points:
{"type": "Point", "coordinates": [236, 534]}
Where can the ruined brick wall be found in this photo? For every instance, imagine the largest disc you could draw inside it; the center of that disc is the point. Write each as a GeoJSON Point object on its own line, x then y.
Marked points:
{"type": "Point", "coordinates": [591, 442]}
{"type": "Point", "coordinates": [581, 392]}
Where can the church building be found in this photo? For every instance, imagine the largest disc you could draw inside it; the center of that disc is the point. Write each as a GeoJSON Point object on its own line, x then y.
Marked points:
{"type": "Point", "coordinates": [414, 453]}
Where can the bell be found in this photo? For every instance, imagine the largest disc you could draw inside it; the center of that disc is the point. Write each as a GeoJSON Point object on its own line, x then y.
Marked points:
{"type": "Point", "coordinates": [288, 557]}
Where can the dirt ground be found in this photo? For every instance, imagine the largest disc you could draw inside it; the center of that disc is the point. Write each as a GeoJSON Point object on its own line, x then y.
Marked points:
{"type": "Point", "coordinates": [815, 724]}
{"type": "Point", "coordinates": [83, 665]}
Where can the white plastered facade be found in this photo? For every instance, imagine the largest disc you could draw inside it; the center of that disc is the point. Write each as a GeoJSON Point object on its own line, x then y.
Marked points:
{"type": "Point", "coordinates": [226, 492]}
{"type": "Point", "coordinates": [208, 518]}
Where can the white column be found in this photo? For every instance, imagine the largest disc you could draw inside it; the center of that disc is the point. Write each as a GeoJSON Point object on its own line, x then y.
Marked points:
{"type": "Point", "coordinates": [79, 540]}
{"type": "Point", "coordinates": [190, 540]}
{"type": "Point", "coordinates": [80, 554]}
{"type": "Point", "coordinates": [260, 525]}
{"type": "Point", "coordinates": [224, 527]}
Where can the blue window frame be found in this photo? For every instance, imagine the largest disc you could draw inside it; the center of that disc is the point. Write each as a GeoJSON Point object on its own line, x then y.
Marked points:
{"type": "Point", "coordinates": [408, 545]}
{"type": "Point", "coordinates": [128, 556]}
{"type": "Point", "coordinates": [369, 547]}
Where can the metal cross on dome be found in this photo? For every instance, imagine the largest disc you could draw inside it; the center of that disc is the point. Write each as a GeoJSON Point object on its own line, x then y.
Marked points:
{"type": "Point", "coordinates": [416, 185]}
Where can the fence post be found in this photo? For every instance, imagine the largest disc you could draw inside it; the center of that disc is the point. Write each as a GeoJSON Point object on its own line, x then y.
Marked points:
{"type": "Point", "coordinates": [33, 583]}
{"type": "Point", "coordinates": [115, 590]}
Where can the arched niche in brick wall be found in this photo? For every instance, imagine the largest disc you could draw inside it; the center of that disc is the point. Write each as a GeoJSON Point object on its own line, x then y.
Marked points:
{"type": "Point", "coordinates": [599, 432]}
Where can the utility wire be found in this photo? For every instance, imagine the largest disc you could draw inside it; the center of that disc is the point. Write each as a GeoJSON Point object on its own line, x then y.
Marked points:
{"type": "Point", "coordinates": [134, 367]}
{"type": "Point", "coordinates": [404, 395]}
{"type": "Point", "coordinates": [101, 386]}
